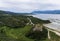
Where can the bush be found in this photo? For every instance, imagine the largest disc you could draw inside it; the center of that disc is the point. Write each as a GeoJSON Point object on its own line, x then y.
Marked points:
{"type": "Point", "coordinates": [37, 35]}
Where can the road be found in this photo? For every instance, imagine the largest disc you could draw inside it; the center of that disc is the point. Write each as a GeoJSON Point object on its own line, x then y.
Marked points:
{"type": "Point", "coordinates": [30, 21]}
{"type": "Point", "coordinates": [53, 28]}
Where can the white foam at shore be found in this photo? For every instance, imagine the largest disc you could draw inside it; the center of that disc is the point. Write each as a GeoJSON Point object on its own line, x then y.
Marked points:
{"type": "Point", "coordinates": [54, 18]}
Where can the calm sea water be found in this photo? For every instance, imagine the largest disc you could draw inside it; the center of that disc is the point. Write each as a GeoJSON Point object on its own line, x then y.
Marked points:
{"type": "Point", "coordinates": [47, 16]}
{"type": "Point", "coordinates": [54, 18]}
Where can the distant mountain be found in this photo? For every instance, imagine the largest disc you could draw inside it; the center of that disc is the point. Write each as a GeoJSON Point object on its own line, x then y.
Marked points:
{"type": "Point", "coordinates": [6, 12]}
{"type": "Point", "coordinates": [47, 12]}
{"type": "Point", "coordinates": [12, 13]}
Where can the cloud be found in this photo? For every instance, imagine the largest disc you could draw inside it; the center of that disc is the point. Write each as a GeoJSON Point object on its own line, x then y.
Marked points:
{"type": "Point", "coordinates": [29, 5]}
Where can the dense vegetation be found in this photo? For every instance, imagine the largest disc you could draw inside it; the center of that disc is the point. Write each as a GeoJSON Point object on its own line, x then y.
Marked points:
{"type": "Point", "coordinates": [37, 35]}
{"type": "Point", "coordinates": [36, 20]}
{"type": "Point", "coordinates": [15, 28]}
{"type": "Point", "coordinates": [11, 21]}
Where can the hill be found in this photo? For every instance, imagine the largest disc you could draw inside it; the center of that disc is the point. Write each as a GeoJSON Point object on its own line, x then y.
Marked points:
{"type": "Point", "coordinates": [12, 13]}
{"type": "Point", "coordinates": [19, 28]}
{"type": "Point", "coordinates": [47, 12]}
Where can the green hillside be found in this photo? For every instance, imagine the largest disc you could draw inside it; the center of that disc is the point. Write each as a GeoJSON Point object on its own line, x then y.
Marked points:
{"type": "Point", "coordinates": [19, 28]}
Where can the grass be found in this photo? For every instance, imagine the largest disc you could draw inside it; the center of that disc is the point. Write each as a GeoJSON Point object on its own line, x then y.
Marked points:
{"type": "Point", "coordinates": [18, 33]}
{"type": "Point", "coordinates": [53, 36]}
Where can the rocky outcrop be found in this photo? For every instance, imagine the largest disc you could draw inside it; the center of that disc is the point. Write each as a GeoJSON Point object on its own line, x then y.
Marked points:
{"type": "Point", "coordinates": [38, 27]}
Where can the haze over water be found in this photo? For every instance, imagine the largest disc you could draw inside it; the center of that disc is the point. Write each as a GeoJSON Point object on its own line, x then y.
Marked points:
{"type": "Point", "coordinates": [54, 18]}
{"type": "Point", "coordinates": [47, 16]}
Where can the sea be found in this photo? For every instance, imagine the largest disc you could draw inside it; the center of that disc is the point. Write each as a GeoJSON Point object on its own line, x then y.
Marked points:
{"type": "Point", "coordinates": [53, 18]}
{"type": "Point", "coordinates": [47, 16]}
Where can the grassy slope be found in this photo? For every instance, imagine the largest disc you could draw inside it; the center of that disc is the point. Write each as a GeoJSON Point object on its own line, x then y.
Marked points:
{"type": "Point", "coordinates": [53, 36]}
{"type": "Point", "coordinates": [18, 33]}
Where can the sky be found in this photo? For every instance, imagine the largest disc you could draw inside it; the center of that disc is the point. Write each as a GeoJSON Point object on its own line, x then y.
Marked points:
{"type": "Point", "coordinates": [29, 5]}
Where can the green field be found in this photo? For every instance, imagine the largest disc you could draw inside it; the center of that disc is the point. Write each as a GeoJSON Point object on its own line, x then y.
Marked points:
{"type": "Point", "coordinates": [18, 34]}
{"type": "Point", "coordinates": [15, 28]}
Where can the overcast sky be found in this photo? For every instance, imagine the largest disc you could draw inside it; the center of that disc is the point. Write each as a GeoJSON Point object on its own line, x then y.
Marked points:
{"type": "Point", "coordinates": [29, 5]}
